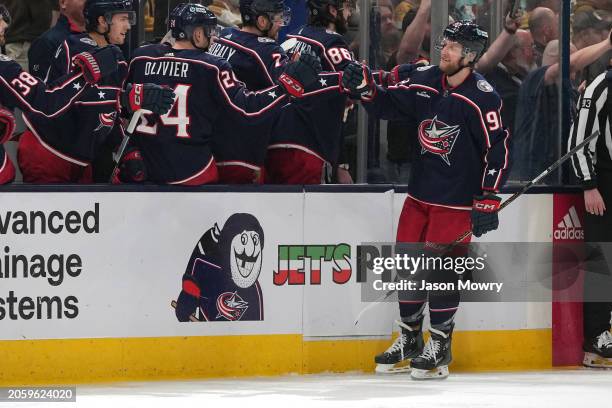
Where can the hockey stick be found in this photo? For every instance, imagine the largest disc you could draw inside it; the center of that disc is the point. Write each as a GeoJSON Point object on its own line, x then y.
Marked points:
{"type": "Point", "coordinates": [446, 248]}
{"type": "Point", "coordinates": [126, 139]}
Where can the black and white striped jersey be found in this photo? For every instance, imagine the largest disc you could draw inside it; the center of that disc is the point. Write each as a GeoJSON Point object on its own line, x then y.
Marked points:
{"type": "Point", "coordinates": [593, 115]}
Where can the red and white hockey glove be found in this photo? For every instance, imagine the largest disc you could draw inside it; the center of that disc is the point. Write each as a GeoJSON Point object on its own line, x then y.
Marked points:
{"type": "Point", "coordinates": [131, 169]}
{"type": "Point", "coordinates": [98, 63]}
{"type": "Point", "coordinates": [151, 97]}
{"type": "Point", "coordinates": [357, 79]}
{"type": "Point", "coordinates": [484, 214]}
{"type": "Point", "coordinates": [301, 74]}
{"type": "Point", "coordinates": [7, 125]}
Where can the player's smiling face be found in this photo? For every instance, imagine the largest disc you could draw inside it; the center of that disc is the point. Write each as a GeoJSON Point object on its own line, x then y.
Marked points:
{"type": "Point", "coordinates": [245, 258]}
{"type": "Point", "coordinates": [119, 28]}
{"type": "Point", "coordinates": [451, 56]}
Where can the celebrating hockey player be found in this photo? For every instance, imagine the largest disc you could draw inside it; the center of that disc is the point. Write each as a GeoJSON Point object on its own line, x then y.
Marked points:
{"type": "Point", "coordinates": [18, 89]}
{"type": "Point", "coordinates": [307, 140]}
{"type": "Point", "coordinates": [176, 146]}
{"type": "Point", "coordinates": [464, 160]}
{"type": "Point", "coordinates": [63, 150]}
{"type": "Point", "coordinates": [257, 60]}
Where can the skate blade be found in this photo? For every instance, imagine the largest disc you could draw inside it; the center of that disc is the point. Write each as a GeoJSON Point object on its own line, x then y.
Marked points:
{"type": "Point", "coordinates": [595, 361]}
{"type": "Point", "coordinates": [438, 373]}
{"type": "Point", "coordinates": [392, 369]}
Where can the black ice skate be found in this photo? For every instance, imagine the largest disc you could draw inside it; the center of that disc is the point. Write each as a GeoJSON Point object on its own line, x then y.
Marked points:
{"type": "Point", "coordinates": [435, 358]}
{"type": "Point", "coordinates": [598, 352]}
{"type": "Point", "coordinates": [408, 344]}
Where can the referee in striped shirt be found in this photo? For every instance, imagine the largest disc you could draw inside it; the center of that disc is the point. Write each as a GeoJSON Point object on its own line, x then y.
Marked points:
{"type": "Point", "coordinates": [593, 166]}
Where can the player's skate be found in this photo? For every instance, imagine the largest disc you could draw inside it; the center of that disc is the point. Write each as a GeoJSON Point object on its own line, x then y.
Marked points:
{"type": "Point", "coordinates": [408, 344]}
{"type": "Point", "coordinates": [598, 353]}
{"type": "Point", "coordinates": [435, 358]}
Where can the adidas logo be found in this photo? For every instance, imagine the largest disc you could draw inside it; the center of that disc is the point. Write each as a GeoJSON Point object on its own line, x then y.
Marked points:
{"type": "Point", "coordinates": [570, 227]}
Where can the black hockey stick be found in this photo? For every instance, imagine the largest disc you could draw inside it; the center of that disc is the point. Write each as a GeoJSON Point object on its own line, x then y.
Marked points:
{"type": "Point", "coordinates": [443, 249]}
{"type": "Point", "coordinates": [126, 139]}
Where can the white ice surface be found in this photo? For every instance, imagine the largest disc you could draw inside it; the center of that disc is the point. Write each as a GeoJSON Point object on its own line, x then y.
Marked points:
{"type": "Point", "coordinates": [579, 388]}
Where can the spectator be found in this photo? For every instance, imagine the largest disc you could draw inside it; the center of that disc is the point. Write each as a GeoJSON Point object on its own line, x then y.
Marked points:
{"type": "Point", "coordinates": [416, 40]}
{"type": "Point", "coordinates": [554, 5]}
{"type": "Point", "coordinates": [591, 27]}
{"type": "Point", "coordinates": [402, 8]}
{"type": "Point", "coordinates": [592, 5]}
{"type": "Point", "coordinates": [544, 28]}
{"type": "Point", "coordinates": [71, 21]}
{"type": "Point", "coordinates": [537, 118]}
{"type": "Point", "coordinates": [31, 18]}
{"type": "Point", "coordinates": [509, 74]}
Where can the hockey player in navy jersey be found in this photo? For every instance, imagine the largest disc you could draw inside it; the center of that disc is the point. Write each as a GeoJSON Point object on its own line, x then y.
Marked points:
{"type": "Point", "coordinates": [307, 140]}
{"type": "Point", "coordinates": [19, 89]}
{"type": "Point", "coordinates": [63, 151]}
{"type": "Point", "coordinates": [176, 146]}
{"type": "Point", "coordinates": [257, 60]}
{"type": "Point", "coordinates": [463, 162]}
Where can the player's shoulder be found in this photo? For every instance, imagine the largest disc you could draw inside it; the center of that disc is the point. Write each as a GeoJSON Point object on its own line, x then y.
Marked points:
{"type": "Point", "coordinates": [429, 75]}
{"type": "Point", "coordinates": [80, 42]}
{"type": "Point", "coordinates": [152, 50]}
{"type": "Point", "coordinates": [327, 38]}
{"type": "Point", "coordinates": [8, 65]}
{"type": "Point", "coordinates": [205, 60]}
{"type": "Point", "coordinates": [483, 91]}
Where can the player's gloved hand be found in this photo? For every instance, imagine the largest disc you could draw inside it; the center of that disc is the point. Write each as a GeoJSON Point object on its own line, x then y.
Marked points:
{"type": "Point", "coordinates": [301, 74]}
{"type": "Point", "coordinates": [357, 79]}
{"type": "Point", "coordinates": [484, 214]}
{"type": "Point", "coordinates": [131, 168]}
{"type": "Point", "coordinates": [98, 63]}
{"type": "Point", "coordinates": [7, 124]}
{"type": "Point", "coordinates": [151, 97]}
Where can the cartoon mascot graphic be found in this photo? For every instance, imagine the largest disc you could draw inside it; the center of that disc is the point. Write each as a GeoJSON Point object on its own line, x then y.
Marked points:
{"type": "Point", "coordinates": [220, 282]}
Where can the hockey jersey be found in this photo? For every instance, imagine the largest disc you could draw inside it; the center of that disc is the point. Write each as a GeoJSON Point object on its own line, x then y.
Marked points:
{"type": "Point", "coordinates": [177, 146]}
{"type": "Point", "coordinates": [464, 147]}
{"type": "Point", "coordinates": [220, 299]}
{"type": "Point", "coordinates": [78, 136]}
{"type": "Point", "coordinates": [258, 62]}
{"type": "Point", "coordinates": [314, 124]}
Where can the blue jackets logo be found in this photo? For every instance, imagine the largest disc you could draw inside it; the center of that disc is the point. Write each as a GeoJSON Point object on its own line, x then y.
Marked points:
{"type": "Point", "coordinates": [437, 137]}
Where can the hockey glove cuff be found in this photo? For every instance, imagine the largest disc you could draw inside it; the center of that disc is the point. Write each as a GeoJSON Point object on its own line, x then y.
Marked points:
{"type": "Point", "coordinates": [357, 79]}
{"type": "Point", "coordinates": [301, 74]}
{"type": "Point", "coordinates": [99, 63]}
{"type": "Point", "coordinates": [7, 125]}
{"type": "Point", "coordinates": [484, 214]}
{"type": "Point", "coordinates": [131, 168]}
{"type": "Point", "coordinates": [151, 97]}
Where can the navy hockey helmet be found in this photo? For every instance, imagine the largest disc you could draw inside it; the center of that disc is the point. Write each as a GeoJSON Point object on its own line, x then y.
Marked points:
{"type": "Point", "coordinates": [251, 9]}
{"type": "Point", "coordinates": [4, 13]}
{"type": "Point", "coordinates": [106, 8]}
{"type": "Point", "coordinates": [467, 33]}
{"type": "Point", "coordinates": [320, 15]}
{"type": "Point", "coordinates": [186, 17]}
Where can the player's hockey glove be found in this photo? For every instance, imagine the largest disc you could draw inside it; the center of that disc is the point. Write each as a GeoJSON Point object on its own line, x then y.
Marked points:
{"type": "Point", "coordinates": [357, 79]}
{"type": "Point", "coordinates": [131, 168]}
{"type": "Point", "coordinates": [98, 63]}
{"type": "Point", "coordinates": [484, 214]}
{"type": "Point", "coordinates": [301, 74]}
{"type": "Point", "coordinates": [151, 97]}
{"type": "Point", "coordinates": [7, 124]}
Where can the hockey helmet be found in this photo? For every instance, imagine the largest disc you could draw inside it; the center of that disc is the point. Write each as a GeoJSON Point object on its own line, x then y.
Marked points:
{"type": "Point", "coordinates": [467, 33]}
{"type": "Point", "coordinates": [107, 8]}
{"type": "Point", "coordinates": [186, 17]}
{"type": "Point", "coordinates": [251, 9]}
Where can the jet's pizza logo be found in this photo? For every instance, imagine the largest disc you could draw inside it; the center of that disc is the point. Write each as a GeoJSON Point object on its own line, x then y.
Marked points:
{"type": "Point", "coordinates": [437, 137]}
{"type": "Point", "coordinates": [569, 228]}
{"type": "Point", "coordinates": [299, 264]}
